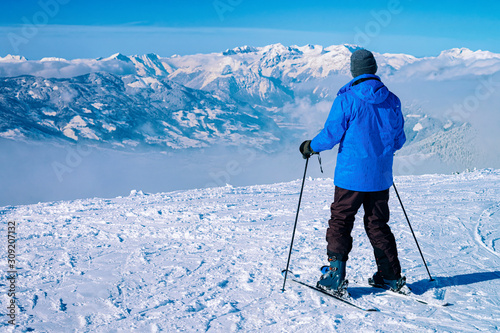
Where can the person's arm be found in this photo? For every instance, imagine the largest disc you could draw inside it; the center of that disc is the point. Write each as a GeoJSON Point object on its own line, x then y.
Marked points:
{"type": "Point", "coordinates": [335, 126]}
{"type": "Point", "coordinates": [400, 138]}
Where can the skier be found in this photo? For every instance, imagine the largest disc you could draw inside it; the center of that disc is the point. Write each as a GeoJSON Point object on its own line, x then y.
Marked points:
{"type": "Point", "coordinates": [367, 122]}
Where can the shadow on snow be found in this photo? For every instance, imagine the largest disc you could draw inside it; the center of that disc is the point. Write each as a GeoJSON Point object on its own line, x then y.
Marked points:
{"type": "Point", "coordinates": [422, 286]}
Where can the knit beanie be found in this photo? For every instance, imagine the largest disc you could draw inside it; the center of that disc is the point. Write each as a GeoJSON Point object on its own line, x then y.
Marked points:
{"type": "Point", "coordinates": [363, 62]}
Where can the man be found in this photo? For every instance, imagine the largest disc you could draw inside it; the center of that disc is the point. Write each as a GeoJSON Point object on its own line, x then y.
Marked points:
{"type": "Point", "coordinates": [367, 122]}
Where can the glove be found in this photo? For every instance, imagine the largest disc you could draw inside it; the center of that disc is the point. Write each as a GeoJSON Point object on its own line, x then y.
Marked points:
{"type": "Point", "coordinates": [305, 149]}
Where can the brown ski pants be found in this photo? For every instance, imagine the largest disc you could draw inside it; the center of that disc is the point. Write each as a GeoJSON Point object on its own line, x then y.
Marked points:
{"type": "Point", "coordinates": [375, 204]}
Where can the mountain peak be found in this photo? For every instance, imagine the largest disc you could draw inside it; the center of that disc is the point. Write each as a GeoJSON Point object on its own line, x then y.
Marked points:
{"type": "Point", "coordinates": [240, 49]}
{"type": "Point", "coordinates": [279, 48]}
{"type": "Point", "coordinates": [52, 59]}
{"type": "Point", "coordinates": [153, 56]}
{"type": "Point", "coordinates": [465, 53]}
{"type": "Point", "coordinates": [457, 52]}
{"type": "Point", "coordinates": [352, 47]}
{"type": "Point", "coordinates": [12, 58]}
{"type": "Point", "coordinates": [118, 56]}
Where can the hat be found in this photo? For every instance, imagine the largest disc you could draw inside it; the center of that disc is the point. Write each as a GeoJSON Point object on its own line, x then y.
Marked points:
{"type": "Point", "coordinates": [363, 62]}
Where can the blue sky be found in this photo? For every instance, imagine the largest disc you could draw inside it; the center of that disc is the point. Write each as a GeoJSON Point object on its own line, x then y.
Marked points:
{"type": "Point", "coordinates": [91, 29]}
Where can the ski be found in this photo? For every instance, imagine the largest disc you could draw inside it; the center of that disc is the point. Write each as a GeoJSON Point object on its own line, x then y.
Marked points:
{"type": "Point", "coordinates": [346, 300]}
{"type": "Point", "coordinates": [409, 295]}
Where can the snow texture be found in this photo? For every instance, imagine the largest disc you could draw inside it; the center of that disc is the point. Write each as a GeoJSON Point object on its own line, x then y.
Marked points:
{"type": "Point", "coordinates": [209, 260]}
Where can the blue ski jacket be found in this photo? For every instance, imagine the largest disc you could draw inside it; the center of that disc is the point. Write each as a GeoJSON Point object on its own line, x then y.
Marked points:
{"type": "Point", "coordinates": [366, 120]}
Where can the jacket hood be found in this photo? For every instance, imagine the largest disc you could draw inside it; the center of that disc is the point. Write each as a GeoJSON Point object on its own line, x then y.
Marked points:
{"type": "Point", "coordinates": [371, 91]}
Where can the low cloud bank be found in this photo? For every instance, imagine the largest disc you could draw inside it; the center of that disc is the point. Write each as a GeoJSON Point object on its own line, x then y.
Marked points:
{"type": "Point", "coordinates": [35, 172]}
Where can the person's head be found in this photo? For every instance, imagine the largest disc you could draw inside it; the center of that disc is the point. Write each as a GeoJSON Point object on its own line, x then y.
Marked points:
{"type": "Point", "coordinates": [363, 62]}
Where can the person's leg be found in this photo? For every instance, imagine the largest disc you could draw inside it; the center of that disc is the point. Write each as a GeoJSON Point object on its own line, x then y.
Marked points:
{"type": "Point", "coordinates": [338, 235]}
{"type": "Point", "coordinates": [343, 209]}
{"type": "Point", "coordinates": [376, 208]}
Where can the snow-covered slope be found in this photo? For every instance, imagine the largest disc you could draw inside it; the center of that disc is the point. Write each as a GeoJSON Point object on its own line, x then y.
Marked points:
{"type": "Point", "coordinates": [209, 260]}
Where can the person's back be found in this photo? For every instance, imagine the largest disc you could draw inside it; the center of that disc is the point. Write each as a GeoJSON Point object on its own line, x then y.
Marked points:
{"type": "Point", "coordinates": [366, 120]}
{"type": "Point", "coordinates": [367, 123]}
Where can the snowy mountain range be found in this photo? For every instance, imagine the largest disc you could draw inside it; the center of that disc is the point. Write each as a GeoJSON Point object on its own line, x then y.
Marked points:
{"type": "Point", "coordinates": [128, 110]}
{"type": "Point", "coordinates": [254, 96]}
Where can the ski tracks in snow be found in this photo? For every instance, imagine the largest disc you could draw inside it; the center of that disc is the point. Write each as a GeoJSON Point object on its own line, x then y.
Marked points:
{"type": "Point", "coordinates": [487, 231]}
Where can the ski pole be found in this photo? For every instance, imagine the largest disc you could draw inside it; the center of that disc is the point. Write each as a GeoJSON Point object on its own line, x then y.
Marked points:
{"type": "Point", "coordinates": [295, 226]}
{"type": "Point", "coordinates": [409, 224]}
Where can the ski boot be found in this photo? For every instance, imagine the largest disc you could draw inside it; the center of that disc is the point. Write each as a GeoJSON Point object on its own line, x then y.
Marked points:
{"type": "Point", "coordinates": [333, 278]}
{"type": "Point", "coordinates": [398, 285]}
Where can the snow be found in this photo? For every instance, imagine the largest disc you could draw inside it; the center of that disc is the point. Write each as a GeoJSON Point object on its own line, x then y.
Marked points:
{"type": "Point", "coordinates": [210, 260]}
{"type": "Point", "coordinates": [78, 123]}
{"type": "Point", "coordinates": [418, 127]}
{"type": "Point", "coordinates": [70, 133]}
{"type": "Point", "coordinates": [12, 58]}
{"type": "Point", "coordinates": [137, 84]}
{"type": "Point", "coordinates": [151, 81]}
{"type": "Point", "coordinates": [46, 59]}
{"type": "Point", "coordinates": [49, 123]}
{"type": "Point", "coordinates": [34, 95]}
{"type": "Point", "coordinates": [98, 105]}
{"type": "Point", "coordinates": [109, 128]}
{"type": "Point", "coordinates": [293, 62]}
{"type": "Point", "coordinates": [12, 134]}
{"type": "Point", "coordinates": [49, 112]}
{"type": "Point", "coordinates": [467, 54]}
{"type": "Point", "coordinates": [185, 119]}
